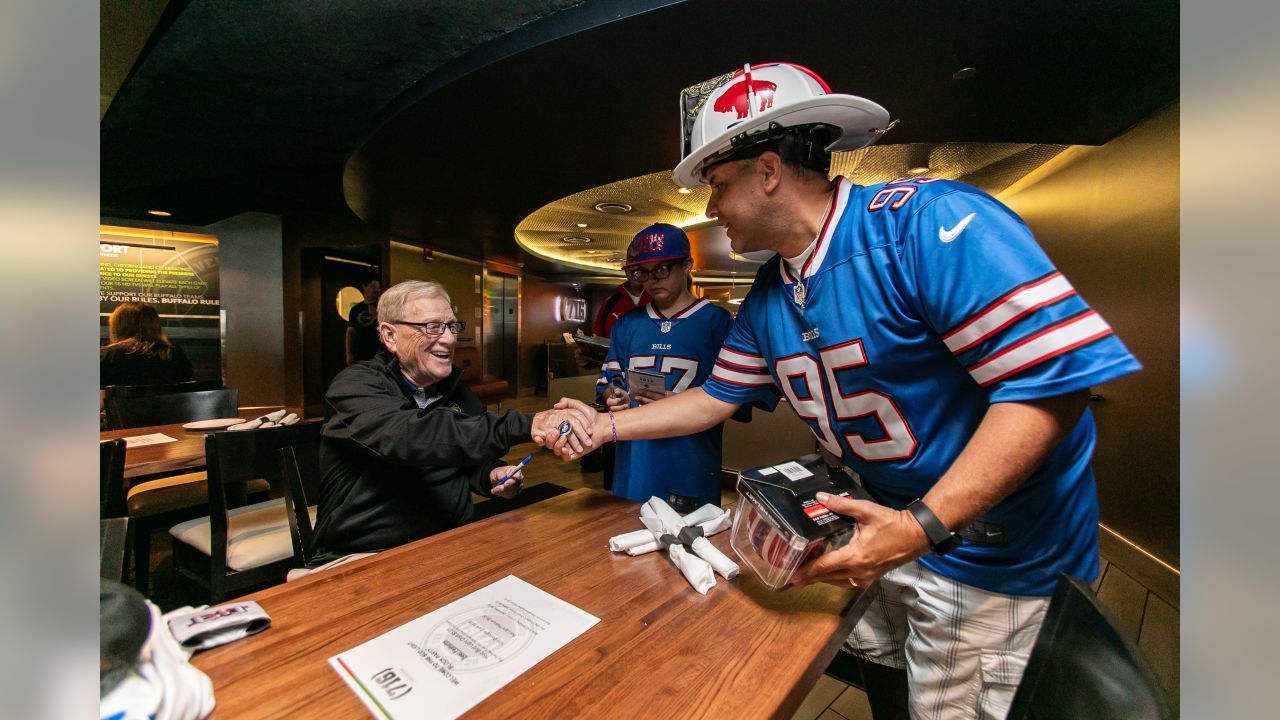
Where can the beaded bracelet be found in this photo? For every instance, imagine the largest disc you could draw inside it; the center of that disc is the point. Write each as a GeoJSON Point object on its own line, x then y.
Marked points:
{"type": "Point", "coordinates": [613, 426]}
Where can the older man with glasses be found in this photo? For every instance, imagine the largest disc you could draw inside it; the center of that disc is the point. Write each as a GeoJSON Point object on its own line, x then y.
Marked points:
{"type": "Point", "coordinates": [406, 442]}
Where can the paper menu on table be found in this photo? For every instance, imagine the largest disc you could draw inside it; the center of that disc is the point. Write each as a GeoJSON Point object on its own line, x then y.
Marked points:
{"type": "Point", "coordinates": [445, 662]}
{"type": "Point", "coordinates": [152, 439]}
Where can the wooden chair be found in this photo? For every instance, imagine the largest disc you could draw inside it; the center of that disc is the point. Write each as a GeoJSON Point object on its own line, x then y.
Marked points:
{"type": "Point", "coordinates": [130, 412]}
{"type": "Point", "coordinates": [239, 546]}
{"type": "Point", "coordinates": [111, 502]}
{"type": "Point", "coordinates": [301, 527]}
{"type": "Point", "coordinates": [300, 478]}
{"type": "Point", "coordinates": [114, 531]}
{"type": "Point", "coordinates": [489, 389]}
{"type": "Point", "coordinates": [1082, 667]}
{"type": "Point", "coordinates": [136, 391]}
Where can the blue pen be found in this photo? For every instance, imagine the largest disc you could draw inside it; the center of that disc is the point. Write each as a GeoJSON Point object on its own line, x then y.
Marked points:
{"type": "Point", "coordinates": [519, 467]}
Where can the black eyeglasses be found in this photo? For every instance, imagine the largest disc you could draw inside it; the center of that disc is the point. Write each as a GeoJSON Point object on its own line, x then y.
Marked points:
{"type": "Point", "coordinates": [434, 328]}
{"type": "Point", "coordinates": [659, 272]}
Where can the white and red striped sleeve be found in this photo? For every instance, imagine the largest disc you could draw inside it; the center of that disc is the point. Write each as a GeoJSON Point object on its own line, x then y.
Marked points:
{"type": "Point", "coordinates": [1004, 312]}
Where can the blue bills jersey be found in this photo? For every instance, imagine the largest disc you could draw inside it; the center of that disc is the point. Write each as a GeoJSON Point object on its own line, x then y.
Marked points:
{"type": "Point", "coordinates": [684, 471]}
{"type": "Point", "coordinates": [923, 302]}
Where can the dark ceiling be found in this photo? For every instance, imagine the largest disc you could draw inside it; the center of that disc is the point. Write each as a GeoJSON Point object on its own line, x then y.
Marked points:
{"type": "Point", "coordinates": [450, 121]}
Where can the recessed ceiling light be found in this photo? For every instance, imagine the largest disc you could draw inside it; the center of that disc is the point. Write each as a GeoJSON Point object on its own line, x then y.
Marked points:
{"type": "Point", "coordinates": [685, 190]}
{"type": "Point", "coordinates": [918, 171]}
{"type": "Point", "coordinates": [964, 73]}
{"type": "Point", "coordinates": [159, 213]}
{"type": "Point", "coordinates": [592, 252]}
{"type": "Point", "coordinates": [613, 208]}
{"type": "Point", "coordinates": [582, 225]}
{"type": "Point", "coordinates": [736, 301]}
{"type": "Point", "coordinates": [575, 240]}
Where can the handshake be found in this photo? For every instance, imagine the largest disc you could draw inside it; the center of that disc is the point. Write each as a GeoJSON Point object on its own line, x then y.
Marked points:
{"type": "Point", "coordinates": [569, 429]}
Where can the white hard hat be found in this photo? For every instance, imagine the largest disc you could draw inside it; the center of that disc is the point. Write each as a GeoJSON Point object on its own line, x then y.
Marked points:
{"type": "Point", "coordinates": [770, 96]}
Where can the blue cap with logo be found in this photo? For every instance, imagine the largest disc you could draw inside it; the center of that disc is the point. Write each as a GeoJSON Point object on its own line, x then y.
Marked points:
{"type": "Point", "coordinates": [658, 242]}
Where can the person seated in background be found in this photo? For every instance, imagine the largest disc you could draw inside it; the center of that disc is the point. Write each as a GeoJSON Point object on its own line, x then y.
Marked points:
{"type": "Point", "coordinates": [362, 341]}
{"type": "Point", "coordinates": [677, 336]}
{"type": "Point", "coordinates": [406, 442]}
{"type": "Point", "coordinates": [138, 352]}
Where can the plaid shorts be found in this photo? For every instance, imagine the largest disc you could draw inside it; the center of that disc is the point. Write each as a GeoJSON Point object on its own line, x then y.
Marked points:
{"type": "Point", "coordinates": [964, 649]}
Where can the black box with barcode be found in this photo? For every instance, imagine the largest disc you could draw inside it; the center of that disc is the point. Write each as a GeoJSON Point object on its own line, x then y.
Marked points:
{"type": "Point", "coordinates": [780, 525]}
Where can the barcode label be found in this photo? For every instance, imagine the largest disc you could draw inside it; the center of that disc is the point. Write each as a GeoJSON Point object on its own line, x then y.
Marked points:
{"type": "Point", "coordinates": [793, 470]}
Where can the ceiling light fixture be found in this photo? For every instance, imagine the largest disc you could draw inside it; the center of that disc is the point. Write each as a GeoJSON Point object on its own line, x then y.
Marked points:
{"type": "Point", "coordinates": [685, 190]}
{"type": "Point", "coordinates": [159, 213]}
{"type": "Point", "coordinates": [918, 171]}
{"type": "Point", "coordinates": [575, 240]}
{"type": "Point", "coordinates": [582, 225]}
{"type": "Point", "coordinates": [613, 208]}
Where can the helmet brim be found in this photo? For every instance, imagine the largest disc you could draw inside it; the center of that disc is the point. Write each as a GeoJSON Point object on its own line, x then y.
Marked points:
{"type": "Point", "coordinates": [857, 118]}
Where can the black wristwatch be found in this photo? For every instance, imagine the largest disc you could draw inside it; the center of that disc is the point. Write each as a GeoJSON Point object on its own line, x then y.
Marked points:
{"type": "Point", "coordinates": [941, 539]}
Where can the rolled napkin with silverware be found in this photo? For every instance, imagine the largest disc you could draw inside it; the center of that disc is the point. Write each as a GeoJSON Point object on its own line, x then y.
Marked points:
{"type": "Point", "coordinates": [696, 570]}
{"type": "Point", "coordinates": [276, 418]}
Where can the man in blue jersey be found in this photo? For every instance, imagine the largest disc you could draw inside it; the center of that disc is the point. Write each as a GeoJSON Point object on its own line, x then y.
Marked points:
{"type": "Point", "coordinates": [934, 350]}
{"type": "Point", "coordinates": [677, 336]}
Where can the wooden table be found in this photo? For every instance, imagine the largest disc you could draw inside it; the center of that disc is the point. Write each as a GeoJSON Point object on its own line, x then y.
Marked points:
{"type": "Point", "coordinates": [185, 455]}
{"type": "Point", "coordinates": [660, 650]}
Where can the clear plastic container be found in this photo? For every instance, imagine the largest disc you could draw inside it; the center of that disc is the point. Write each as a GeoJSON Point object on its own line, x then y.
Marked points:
{"type": "Point", "coordinates": [780, 525]}
{"type": "Point", "coordinates": [772, 554]}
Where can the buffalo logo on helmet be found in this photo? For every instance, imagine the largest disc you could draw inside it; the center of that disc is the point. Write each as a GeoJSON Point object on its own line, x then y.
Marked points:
{"type": "Point", "coordinates": [737, 97]}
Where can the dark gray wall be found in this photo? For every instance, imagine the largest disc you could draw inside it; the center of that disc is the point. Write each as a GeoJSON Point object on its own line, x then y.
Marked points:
{"type": "Point", "coordinates": [250, 249]}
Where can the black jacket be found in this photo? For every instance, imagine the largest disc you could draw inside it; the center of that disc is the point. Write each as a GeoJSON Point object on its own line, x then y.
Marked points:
{"type": "Point", "coordinates": [392, 473]}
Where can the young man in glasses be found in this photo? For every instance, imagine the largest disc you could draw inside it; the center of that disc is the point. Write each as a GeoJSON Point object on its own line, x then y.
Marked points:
{"type": "Point", "coordinates": [676, 336]}
{"type": "Point", "coordinates": [406, 442]}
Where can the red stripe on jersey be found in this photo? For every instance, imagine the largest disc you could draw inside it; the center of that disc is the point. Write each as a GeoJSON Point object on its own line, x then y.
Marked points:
{"type": "Point", "coordinates": [1013, 306]}
{"type": "Point", "coordinates": [1044, 345]}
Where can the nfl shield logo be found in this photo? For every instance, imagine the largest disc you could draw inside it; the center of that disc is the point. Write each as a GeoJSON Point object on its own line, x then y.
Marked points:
{"type": "Point", "coordinates": [666, 326]}
{"type": "Point", "coordinates": [798, 292]}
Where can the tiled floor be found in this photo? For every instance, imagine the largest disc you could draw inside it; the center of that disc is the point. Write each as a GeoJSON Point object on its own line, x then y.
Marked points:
{"type": "Point", "coordinates": [831, 699]}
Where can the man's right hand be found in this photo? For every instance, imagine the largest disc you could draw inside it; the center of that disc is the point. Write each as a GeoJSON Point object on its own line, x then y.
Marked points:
{"type": "Point", "coordinates": [581, 419]}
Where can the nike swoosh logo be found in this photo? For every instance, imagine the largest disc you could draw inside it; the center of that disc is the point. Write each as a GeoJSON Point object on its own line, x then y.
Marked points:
{"type": "Point", "coordinates": [947, 236]}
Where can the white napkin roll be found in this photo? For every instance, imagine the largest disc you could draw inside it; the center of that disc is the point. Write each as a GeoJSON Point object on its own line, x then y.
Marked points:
{"type": "Point", "coordinates": [671, 520]}
{"type": "Point", "coordinates": [646, 511]}
{"type": "Point", "coordinates": [626, 541]}
{"type": "Point", "coordinates": [274, 417]}
{"type": "Point", "coordinates": [651, 546]}
{"type": "Point", "coordinates": [696, 570]}
{"type": "Point", "coordinates": [703, 548]}
{"type": "Point", "coordinates": [715, 525]}
{"type": "Point", "coordinates": [289, 419]}
{"type": "Point", "coordinates": [703, 514]}
{"type": "Point", "coordinates": [251, 425]}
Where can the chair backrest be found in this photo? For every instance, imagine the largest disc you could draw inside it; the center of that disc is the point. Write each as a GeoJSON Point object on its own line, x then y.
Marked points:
{"type": "Point", "coordinates": [135, 391]}
{"type": "Point", "coordinates": [1082, 667]}
{"type": "Point", "coordinates": [111, 491]}
{"type": "Point", "coordinates": [468, 358]}
{"type": "Point", "coordinates": [298, 473]}
{"type": "Point", "coordinates": [131, 412]}
{"type": "Point", "coordinates": [236, 457]}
